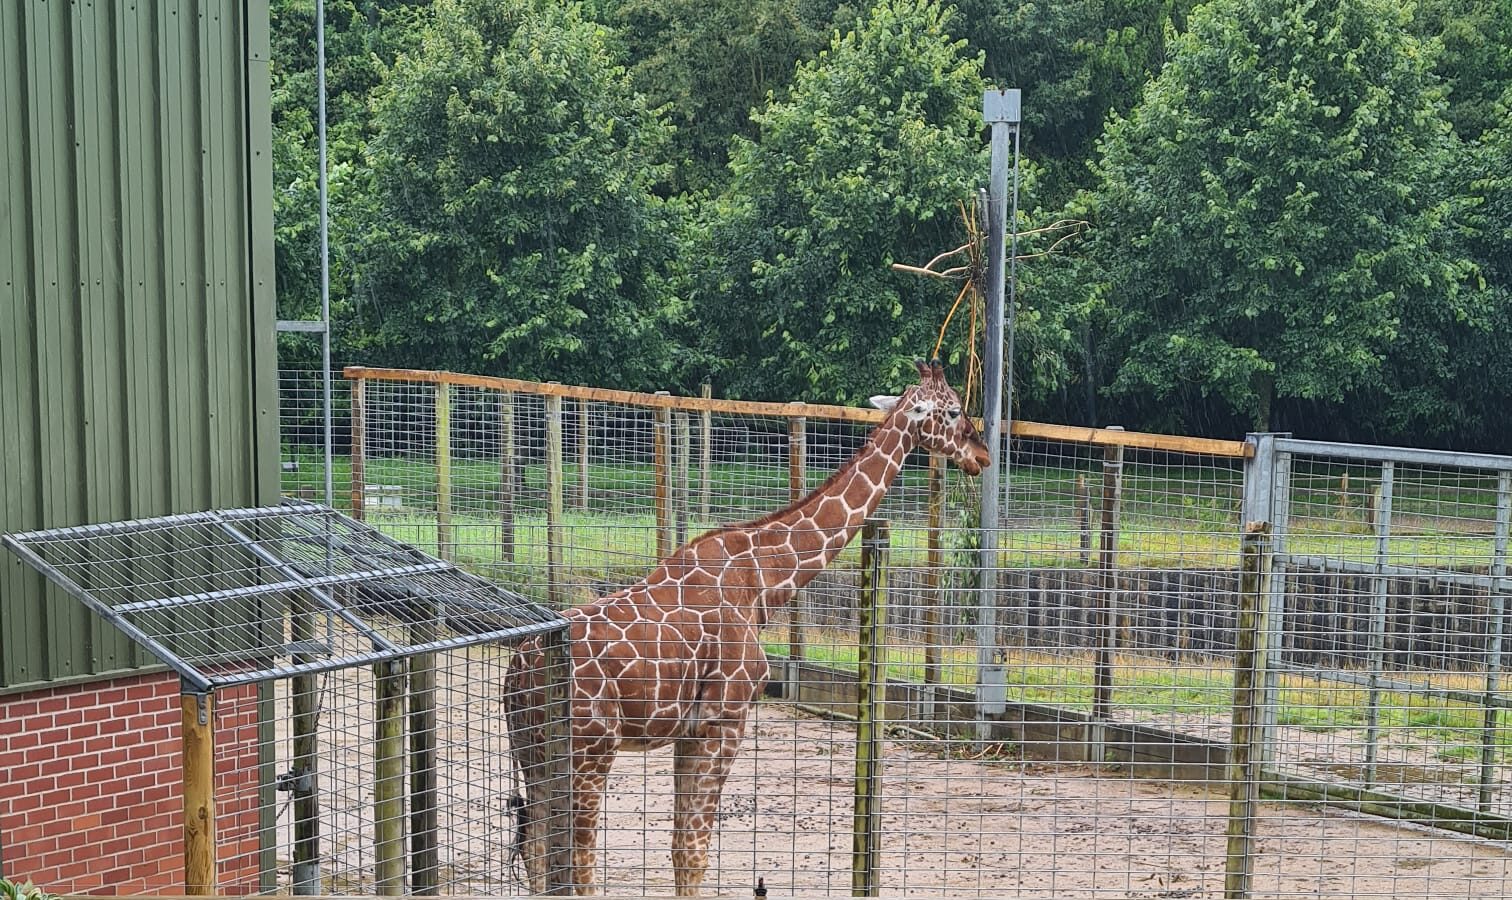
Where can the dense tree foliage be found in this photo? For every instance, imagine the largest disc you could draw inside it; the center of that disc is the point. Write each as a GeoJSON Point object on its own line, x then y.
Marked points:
{"type": "Point", "coordinates": [1299, 211]}
{"type": "Point", "coordinates": [514, 175]}
{"type": "Point", "coordinates": [710, 62]}
{"type": "Point", "coordinates": [1268, 240]}
{"type": "Point", "coordinates": [860, 167]}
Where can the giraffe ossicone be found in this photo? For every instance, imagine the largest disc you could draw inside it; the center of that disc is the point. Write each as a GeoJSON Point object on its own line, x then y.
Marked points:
{"type": "Point", "coordinates": [676, 658]}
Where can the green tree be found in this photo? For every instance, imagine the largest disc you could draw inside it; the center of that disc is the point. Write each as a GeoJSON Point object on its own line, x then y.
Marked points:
{"type": "Point", "coordinates": [1266, 215]}
{"type": "Point", "coordinates": [1449, 382]}
{"type": "Point", "coordinates": [862, 165]}
{"type": "Point", "coordinates": [362, 37]}
{"type": "Point", "coordinates": [1472, 40]}
{"type": "Point", "coordinates": [710, 62]}
{"type": "Point", "coordinates": [1076, 61]}
{"type": "Point", "coordinates": [514, 227]}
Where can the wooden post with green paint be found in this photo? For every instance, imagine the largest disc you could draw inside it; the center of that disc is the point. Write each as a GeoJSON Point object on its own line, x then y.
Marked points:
{"type": "Point", "coordinates": [425, 848]}
{"type": "Point", "coordinates": [304, 700]}
{"type": "Point", "coordinates": [388, 779]}
{"type": "Point", "coordinates": [444, 535]}
{"type": "Point", "coordinates": [1244, 757]}
{"type": "Point", "coordinates": [871, 684]}
{"type": "Point", "coordinates": [556, 658]}
{"type": "Point", "coordinates": [555, 590]}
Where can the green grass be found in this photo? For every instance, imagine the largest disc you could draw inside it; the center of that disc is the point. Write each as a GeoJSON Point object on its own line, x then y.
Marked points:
{"type": "Point", "coordinates": [1170, 518]}
{"type": "Point", "coordinates": [1156, 688]}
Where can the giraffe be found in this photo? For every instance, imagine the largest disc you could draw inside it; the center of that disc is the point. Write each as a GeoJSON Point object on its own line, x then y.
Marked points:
{"type": "Point", "coordinates": [676, 658]}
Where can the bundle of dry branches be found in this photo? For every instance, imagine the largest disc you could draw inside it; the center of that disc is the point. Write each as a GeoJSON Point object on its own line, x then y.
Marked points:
{"type": "Point", "coordinates": [972, 272]}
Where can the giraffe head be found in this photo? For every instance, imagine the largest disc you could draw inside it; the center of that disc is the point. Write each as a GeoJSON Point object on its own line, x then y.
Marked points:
{"type": "Point", "coordinates": [932, 413]}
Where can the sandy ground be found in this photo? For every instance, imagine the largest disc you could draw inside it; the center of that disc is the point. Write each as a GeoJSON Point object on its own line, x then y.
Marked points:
{"type": "Point", "coordinates": [951, 825]}
{"type": "Point", "coordinates": [956, 826]}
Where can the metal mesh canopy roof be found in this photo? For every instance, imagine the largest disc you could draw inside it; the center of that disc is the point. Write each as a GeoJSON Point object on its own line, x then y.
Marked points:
{"type": "Point", "coordinates": [236, 596]}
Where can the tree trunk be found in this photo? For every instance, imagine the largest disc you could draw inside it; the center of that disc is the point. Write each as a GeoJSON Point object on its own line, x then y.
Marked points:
{"type": "Point", "coordinates": [1265, 392]}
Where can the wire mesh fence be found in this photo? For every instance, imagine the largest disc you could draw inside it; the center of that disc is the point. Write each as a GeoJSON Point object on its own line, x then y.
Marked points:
{"type": "Point", "coordinates": [1116, 704]}
{"type": "Point", "coordinates": [342, 729]}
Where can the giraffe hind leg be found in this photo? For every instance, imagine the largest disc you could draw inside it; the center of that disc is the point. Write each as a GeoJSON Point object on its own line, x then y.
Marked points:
{"type": "Point", "coordinates": [700, 768]}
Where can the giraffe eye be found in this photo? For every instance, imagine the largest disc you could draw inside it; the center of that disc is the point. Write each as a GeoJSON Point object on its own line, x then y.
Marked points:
{"type": "Point", "coordinates": [955, 412]}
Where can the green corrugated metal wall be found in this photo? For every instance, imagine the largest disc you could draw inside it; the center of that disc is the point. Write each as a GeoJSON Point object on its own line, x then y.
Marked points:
{"type": "Point", "coordinates": [137, 369]}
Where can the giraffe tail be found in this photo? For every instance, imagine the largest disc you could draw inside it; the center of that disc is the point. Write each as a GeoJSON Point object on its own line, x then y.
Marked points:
{"type": "Point", "coordinates": [519, 811]}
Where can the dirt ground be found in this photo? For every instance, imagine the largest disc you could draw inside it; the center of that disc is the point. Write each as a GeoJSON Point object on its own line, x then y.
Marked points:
{"type": "Point", "coordinates": [957, 826]}
{"type": "Point", "coordinates": [951, 825]}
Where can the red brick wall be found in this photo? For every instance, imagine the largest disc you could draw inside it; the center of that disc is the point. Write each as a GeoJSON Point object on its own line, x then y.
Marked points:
{"type": "Point", "coordinates": [90, 800]}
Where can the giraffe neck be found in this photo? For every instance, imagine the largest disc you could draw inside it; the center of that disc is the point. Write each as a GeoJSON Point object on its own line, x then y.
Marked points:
{"type": "Point", "coordinates": [822, 523]}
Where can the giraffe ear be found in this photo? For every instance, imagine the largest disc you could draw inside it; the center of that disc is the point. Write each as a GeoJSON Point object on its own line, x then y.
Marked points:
{"type": "Point", "coordinates": [923, 368]}
{"type": "Point", "coordinates": [885, 402]}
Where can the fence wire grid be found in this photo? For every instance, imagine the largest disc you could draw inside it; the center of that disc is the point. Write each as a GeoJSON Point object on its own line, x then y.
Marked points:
{"type": "Point", "coordinates": [1116, 708]}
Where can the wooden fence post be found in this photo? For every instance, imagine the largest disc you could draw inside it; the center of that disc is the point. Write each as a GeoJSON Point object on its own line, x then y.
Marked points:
{"type": "Point", "coordinates": [198, 741]}
{"type": "Point", "coordinates": [1244, 753]}
{"type": "Point", "coordinates": [388, 778]}
{"type": "Point", "coordinates": [304, 699]}
{"type": "Point", "coordinates": [1107, 639]}
{"type": "Point", "coordinates": [585, 437]}
{"type": "Point", "coordinates": [425, 858]}
{"type": "Point", "coordinates": [444, 536]}
{"type": "Point", "coordinates": [661, 451]}
{"type": "Point", "coordinates": [556, 658]}
{"type": "Point", "coordinates": [555, 589]}
{"type": "Point", "coordinates": [508, 463]}
{"type": "Point", "coordinates": [1084, 517]}
{"type": "Point", "coordinates": [1497, 603]}
{"type": "Point", "coordinates": [359, 461]}
{"type": "Point", "coordinates": [1376, 637]}
{"type": "Point", "coordinates": [871, 688]}
{"type": "Point", "coordinates": [706, 456]}
{"type": "Point", "coordinates": [935, 569]}
{"type": "Point", "coordinates": [797, 482]}
{"type": "Point", "coordinates": [683, 448]}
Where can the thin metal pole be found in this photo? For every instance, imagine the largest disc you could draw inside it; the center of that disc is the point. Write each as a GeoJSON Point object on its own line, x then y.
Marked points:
{"type": "Point", "coordinates": [1000, 110]}
{"type": "Point", "coordinates": [1011, 315]}
{"type": "Point", "coordinates": [325, 253]}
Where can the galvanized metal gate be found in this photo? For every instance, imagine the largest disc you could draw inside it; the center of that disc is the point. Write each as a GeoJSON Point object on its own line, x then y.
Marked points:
{"type": "Point", "coordinates": [1409, 547]}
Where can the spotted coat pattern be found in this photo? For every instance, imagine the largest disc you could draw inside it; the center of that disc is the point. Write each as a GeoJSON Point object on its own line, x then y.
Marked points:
{"type": "Point", "coordinates": [676, 658]}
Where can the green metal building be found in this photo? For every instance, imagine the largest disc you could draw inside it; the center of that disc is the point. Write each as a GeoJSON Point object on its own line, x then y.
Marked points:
{"type": "Point", "coordinates": [137, 347]}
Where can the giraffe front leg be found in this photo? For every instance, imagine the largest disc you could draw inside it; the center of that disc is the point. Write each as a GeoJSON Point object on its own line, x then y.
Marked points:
{"type": "Point", "coordinates": [700, 768]}
{"type": "Point", "coordinates": [591, 762]}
